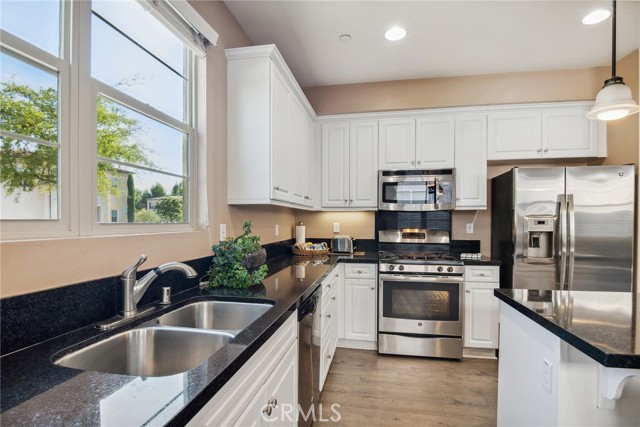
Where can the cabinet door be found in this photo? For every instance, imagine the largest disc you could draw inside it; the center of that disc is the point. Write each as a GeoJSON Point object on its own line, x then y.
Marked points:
{"type": "Point", "coordinates": [280, 136]}
{"type": "Point", "coordinates": [514, 135]}
{"type": "Point", "coordinates": [481, 315]}
{"type": "Point", "coordinates": [568, 133]}
{"type": "Point", "coordinates": [363, 164]}
{"type": "Point", "coordinates": [360, 309]}
{"type": "Point", "coordinates": [253, 415]}
{"type": "Point", "coordinates": [282, 390]}
{"type": "Point", "coordinates": [435, 142]}
{"type": "Point", "coordinates": [310, 161]}
{"type": "Point", "coordinates": [335, 165]}
{"type": "Point", "coordinates": [397, 144]}
{"type": "Point", "coordinates": [297, 152]}
{"type": "Point", "coordinates": [471, 161]}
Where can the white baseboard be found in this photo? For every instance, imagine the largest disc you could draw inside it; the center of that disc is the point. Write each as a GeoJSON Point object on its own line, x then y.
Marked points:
{"type": "Point", "coordinates": [362, 345]}
{"type": "Point", "coordinates": [479, 353]}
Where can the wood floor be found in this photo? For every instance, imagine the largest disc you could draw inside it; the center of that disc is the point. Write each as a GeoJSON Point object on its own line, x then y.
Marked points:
{"type": "Point", "coordinates": [377, 390]}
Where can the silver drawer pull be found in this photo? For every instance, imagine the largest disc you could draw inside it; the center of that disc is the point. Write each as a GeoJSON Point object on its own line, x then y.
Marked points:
{"type": "Point", "coordinates": [328, 316]}
{"type": "Point", "coordinates": [468, 291]}
{"type": "Point", "coordinates": [333, 298]}
{"type": "Point", "coordinates": [328, 356]}
{"type": "Point", "coordinates": [267, 410]}
{"type": "Point", "coordinates": [373, 288]}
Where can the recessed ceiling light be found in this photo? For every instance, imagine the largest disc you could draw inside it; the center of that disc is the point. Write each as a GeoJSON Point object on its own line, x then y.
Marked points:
{"type": "Point", "coordinates": [395, 33]}
{"type": "Point", "coordinates": [596, 16]}
{"type": "Point", "coordinates": [344, 38]}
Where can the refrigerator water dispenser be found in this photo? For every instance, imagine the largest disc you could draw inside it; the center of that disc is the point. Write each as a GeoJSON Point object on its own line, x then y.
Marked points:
{"type": "Point", "coordinates": [539, 231]}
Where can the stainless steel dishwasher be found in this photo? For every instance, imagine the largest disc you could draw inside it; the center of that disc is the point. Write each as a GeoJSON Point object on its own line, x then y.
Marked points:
{"type": "Point", "coordinates": [309, 358]}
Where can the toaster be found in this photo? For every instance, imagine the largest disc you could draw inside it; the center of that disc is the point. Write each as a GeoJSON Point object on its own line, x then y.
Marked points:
{"type": "Point", "coordinates": [343, 244]}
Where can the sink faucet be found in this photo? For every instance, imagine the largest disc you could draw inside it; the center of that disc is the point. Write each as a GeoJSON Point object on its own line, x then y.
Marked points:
{"type": "Point", "coordinates": [133, 289]}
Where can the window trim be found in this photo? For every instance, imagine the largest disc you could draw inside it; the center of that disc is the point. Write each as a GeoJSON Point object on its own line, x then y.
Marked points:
{"type": "Point", "coordinates": [78, 99]}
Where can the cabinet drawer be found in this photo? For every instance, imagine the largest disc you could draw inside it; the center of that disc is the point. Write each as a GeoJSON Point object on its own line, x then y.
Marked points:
{"type": "Point", "coordinates": [330, 286]}
{"type": "Point", "coordinates": [360, 271]}
{"type": "Point", "coordinates": [482, 273]}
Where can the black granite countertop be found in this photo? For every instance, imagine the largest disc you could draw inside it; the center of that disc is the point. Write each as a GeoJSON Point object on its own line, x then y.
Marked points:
{"type": "Point", "coordinates": [34, 391]}
{"type": "Point", "coordinates": [600, 324]}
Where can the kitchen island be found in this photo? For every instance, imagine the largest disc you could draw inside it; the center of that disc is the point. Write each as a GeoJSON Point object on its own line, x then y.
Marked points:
{"type": "Point", "coordinates": [568, 358]}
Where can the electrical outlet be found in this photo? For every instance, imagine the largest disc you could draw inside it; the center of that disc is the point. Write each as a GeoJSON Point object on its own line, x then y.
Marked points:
{"type": "Point", "coordinates": [223, 231]}
{"type": "Point", "coordinates": [277, 230]}
{"type": "Point", "coordinates": [336, 227]}
{"type": "Point", "coordinates": [547, 374]}
{"type": "Point", "coordinates": [470, 228]}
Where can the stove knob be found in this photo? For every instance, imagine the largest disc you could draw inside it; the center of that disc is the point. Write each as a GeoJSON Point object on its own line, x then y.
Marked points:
{"type": "Point", "coordinates": [401, 268]}
{"type": "Point", "coordinates": [391, 267]}
{"type": "Point", "coordinates": [450, 269]}
{"type": "Point", "coordinates": [439, 269]}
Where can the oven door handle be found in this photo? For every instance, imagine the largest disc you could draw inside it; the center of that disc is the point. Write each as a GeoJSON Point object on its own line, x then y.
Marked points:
{"type": "Point", "coordinates": [417, 278]}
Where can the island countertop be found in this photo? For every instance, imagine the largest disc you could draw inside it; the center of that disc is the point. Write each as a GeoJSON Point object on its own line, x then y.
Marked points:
{"type": "Point", "coordinates": [603, 325]}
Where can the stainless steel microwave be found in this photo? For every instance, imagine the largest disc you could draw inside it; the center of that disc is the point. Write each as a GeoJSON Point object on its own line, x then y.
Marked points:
{"type": "Point", "coordinates": [416, 190]}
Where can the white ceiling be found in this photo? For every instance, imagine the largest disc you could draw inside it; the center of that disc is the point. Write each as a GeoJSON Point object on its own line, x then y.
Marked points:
{"type": "Point", "coordinates": [445, 38]}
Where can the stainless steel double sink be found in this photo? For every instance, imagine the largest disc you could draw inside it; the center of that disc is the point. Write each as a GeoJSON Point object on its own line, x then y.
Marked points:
{"type": "Point", "coordinates": [173, 343]}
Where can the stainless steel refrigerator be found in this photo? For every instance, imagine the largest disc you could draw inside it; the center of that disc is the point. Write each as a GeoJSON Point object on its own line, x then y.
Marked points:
{"type": "Point", "coordinates": [564, 228]}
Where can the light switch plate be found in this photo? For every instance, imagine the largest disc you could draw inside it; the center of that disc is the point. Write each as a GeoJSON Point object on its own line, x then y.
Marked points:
{"type": "Point", "coordinates": [223, 231]}
{"type": "Point", "coordinates": [470, 228]}
{"type": "Point", "coordinates": [336, 227]}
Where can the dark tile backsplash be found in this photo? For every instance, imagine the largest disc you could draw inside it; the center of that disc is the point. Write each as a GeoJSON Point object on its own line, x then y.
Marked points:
{"type": "Point", "coordinates": [29, 319]}
{"type": "Point", "coordinates": [32, 318]}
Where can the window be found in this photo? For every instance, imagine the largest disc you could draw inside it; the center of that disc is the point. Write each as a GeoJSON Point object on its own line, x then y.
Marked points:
{"type": "Point", "coordinates": [118, 137]}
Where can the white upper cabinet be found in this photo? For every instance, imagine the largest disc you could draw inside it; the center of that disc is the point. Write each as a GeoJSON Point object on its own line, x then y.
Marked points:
{"type": "Point", "coordinates": [397, 144]}
{"type": "Point", "coordinates": [283, 119]}
{"type": "Point", "coordinates": [471, 161]}
{"type": "Point", "coordinates": [435, 142]}
{"type": "Point", "coordinates": [363, 164]}
{"type": "Point", "coordinates": [335, 165]}
{"type": "Point", "coordinates": [350, 165]}
{"type": "Point", "coordinates": [270, 131]}
{"type": "Point", "coordinates": [514, 135]}
{"type": "Point", "coordinates": [552, 131]}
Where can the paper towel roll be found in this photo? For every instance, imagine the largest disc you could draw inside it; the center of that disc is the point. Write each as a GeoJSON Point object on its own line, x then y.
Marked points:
{"type": "Point", "coordinates": [300, 237]}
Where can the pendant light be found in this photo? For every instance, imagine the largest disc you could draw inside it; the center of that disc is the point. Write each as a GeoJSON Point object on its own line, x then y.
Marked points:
{"type": "Point", "coordinates": [614, 100]}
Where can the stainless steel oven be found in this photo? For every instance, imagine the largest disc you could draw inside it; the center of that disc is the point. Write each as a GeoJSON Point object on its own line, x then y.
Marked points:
{"type": "Point", "coordinates": [416, 190]}
{"type": "Point", "coordinates": [420, 296]}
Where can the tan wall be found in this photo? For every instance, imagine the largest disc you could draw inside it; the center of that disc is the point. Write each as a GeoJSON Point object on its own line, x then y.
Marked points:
{"type": "Point", "coordinates": [30, 266]}
{"type": "Point", "coordinates": [360, 225]}
{"type": "Point", "coordinates": [541, 86]}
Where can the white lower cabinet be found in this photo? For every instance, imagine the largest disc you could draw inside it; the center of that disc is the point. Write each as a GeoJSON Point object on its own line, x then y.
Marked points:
{"type": "Point", "coordinates": [329, 320]}
{"type": "Point", "coordinates": [359, 315]}
{"type": "Point", "coordinates": [481, 315]}
{"type": "Point", "coordinates": [264, 392]}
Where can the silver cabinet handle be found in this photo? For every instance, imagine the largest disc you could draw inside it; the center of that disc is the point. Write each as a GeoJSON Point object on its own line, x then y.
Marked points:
{"type": "Point", "coordinates": [458, 198]}
{"type": "Point", "coordinates": [307, 197]}
{"type": "Point", "coordinates": [359, 271]}
{"type": "Point", "coordinates": [333, 298]}
{"type": "Point", "coordinates": [328, 356]}
{"type": "Point", "coordinates": [539, 150]}
{"type": "Point", "coordinates": [328, 316]}
{"type": "Point", "coordinates": [373, 288]}
{"type": "Point", "coordinates": [328, 285]}
{"type": "Point", "coordinates": [546, 150]}
{"type": "Point", "coordinates": [273, 402]}
{"type": "Point", "coordinates": [350, 200]}
{"type": "Point", "coordinates": [468, 291]}
{"type": "Point", "coordinates": [345, 200]}
{"type": "Point", "coordinates": [267, 410]}
{"type": "Point", "coordinates": [413, 162]}
{"type": "Point", "coordinates": [276, 188]}
{"type": "Point", "coordinates": [419, 162]}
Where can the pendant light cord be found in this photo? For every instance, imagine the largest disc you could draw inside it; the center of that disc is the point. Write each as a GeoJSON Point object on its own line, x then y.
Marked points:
{"type": "Point", "coordinates": [613, 42]}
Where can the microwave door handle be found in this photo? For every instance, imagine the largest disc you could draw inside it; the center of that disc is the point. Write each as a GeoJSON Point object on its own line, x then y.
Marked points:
{"type": "Point", "coordinates": [562, 240]}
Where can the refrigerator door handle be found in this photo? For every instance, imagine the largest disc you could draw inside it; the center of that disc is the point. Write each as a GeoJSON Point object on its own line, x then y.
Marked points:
{"type": "Point", "coordinates": [571, 221]}
{"type": "Point", "coordinates": [562, 240]}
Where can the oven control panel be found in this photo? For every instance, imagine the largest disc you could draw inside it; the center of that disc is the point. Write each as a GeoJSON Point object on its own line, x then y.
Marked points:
{"type": "Point", "coordinates": [451, 270]}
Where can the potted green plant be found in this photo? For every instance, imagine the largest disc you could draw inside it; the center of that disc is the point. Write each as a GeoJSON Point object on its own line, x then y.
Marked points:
{"type": "Point", "coordinates": [239, 262]}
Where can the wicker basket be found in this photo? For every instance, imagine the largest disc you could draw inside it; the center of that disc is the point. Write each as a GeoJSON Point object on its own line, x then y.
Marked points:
{"type": "Point", "coordinates": [297, 250]}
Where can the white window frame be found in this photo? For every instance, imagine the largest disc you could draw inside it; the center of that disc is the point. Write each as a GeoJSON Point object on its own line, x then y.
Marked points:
{"type": "Point", "coordinates": [78, 93]}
